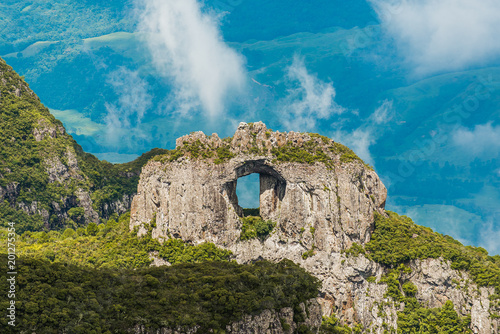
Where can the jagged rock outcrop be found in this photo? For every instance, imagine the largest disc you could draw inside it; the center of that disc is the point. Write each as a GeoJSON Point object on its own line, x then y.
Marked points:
{"type": "Point", "coordinates": [327, 206]}
{"type": "Point", "coordinates": [322, 199]}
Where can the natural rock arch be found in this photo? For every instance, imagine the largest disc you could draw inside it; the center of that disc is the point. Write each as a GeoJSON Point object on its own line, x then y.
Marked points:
{"type": "Point", "coordinates": [272, 188]}
{"type": "Point", "coordinates": [317, 191]}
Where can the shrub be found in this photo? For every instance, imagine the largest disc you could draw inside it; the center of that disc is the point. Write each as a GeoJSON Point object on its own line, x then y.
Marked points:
{"type": "Point", "coordinates": [68, 233]}
{"type": "Point", "coordinates": [255, 227]}
{"type": "Point", "coordinates": [92, 229]}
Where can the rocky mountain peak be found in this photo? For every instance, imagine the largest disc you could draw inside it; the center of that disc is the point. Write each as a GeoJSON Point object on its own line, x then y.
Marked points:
{"type": "Point", "coordinates": [318, 203]}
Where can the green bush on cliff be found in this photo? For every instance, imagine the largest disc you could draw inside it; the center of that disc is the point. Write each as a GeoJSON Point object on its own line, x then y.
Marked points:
{"type": "Point", "coordinates": [197, 150]}
{"type": "Point", "coordinates": [112, 245]}
{"type": "Point", "coordinates": [331, 325]}
{"type": "Point", "coordinates": [255, 227]}
{"type": "Point", "coordinates": [418, 319]}
{"type": "Point", "coordinates": [396, 240]}
{"type": "Point", "coordinates": [310, 152]}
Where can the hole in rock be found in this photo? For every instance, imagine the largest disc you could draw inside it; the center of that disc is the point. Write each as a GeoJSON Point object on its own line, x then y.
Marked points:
{"type": "Point", "coordinates": [248, 192]}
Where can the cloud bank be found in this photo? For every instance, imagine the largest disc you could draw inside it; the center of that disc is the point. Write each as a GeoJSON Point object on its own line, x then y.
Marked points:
{"type": "Point", "coordinates": [482, 141]}
{"type": "Point", "coordinates": [308, 100]}
{"type": "Point", "coordinates": [186, 46]}
{"type": "Point", "coordinates": [442, 35]}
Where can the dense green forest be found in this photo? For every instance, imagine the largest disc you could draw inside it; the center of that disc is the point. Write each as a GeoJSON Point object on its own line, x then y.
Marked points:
{"type": "Point", "coordinates": [112, 245]}
{"type": "Point", "coordinates": [64, 298]}
{"type": "Point", "coordinates": [98, 279]}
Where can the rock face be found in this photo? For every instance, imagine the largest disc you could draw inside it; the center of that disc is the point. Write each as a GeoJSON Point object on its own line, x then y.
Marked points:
{"type": "Point", "coordinates": [322, 200]}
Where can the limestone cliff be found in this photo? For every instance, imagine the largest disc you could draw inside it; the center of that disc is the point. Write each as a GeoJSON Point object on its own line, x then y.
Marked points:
{"type": "Point", "coordinates": [322, 198]}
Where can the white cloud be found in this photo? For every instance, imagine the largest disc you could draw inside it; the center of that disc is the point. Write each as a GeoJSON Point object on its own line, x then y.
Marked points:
{"type": "Point", "coordinates": [124, 117]}
{"type": "Point", "coordinates": [489, 236]}
{"type": "Point", "coordinates": [186, 46]}
{"type": "Point", "coordinates": [442, 35]}
{"type": "Point", "coordinates": [309, 99]}
{"type": "Point", "coordinates": [383, 114]}
{"type": "Point", "coordinates": [482, 141]}
{"type": "Point", "coordinates": [359, 141]}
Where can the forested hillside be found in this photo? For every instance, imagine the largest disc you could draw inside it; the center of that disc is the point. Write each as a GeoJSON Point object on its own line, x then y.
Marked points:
{"type": "Point", "coordinates": [99, 279]}
{"type": "Point", "coordinates": [46, 180]}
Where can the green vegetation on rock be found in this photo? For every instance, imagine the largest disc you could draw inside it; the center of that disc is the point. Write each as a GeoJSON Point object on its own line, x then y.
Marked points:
{"type": "Point", "coordinates": [255, 227]}
{"type": "Point", "coordinates": [331, 325]}
{"type": "Point", "coordinates": [112, 245]}
{"type": "Point", "coordinates": [197, 150]}
{"type": "Point", "coordinates": [418, 319]}
{"type": "Point", "coordinates": [310, 152]}
{"type": "Point", "coordinates": [318, 149]}
{"type": "Point", "coordinates": [313, 151]}
{"type": "Point", "coordinates": [398, 240]}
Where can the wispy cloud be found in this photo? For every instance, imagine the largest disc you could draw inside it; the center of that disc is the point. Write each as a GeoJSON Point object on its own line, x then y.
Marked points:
{"type": "Point", "coordinates": [124, 117]}
{"type": "Point", "coordinates": [489, 236]}
{"type": "Point", "coordinates": [482, 141]}
{"type": "Point", "coordinates": [308, 100]}
{"type": "Point", "coordinates": [383, 114]}
{"type": "Point", "coordinates": [442, 35]}
{"type": "Point", "coordinates": [361, 139]}
{"type": "Point", "coordinates": [187, 47]}
{"type": "Point", "coordinates": [358, 140]}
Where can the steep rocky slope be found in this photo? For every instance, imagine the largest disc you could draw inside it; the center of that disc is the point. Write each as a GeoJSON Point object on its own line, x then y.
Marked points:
{"type": "Point", "coordinates": [323, 203]}
{"type": "Point", "coordinates": [46, 180]}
